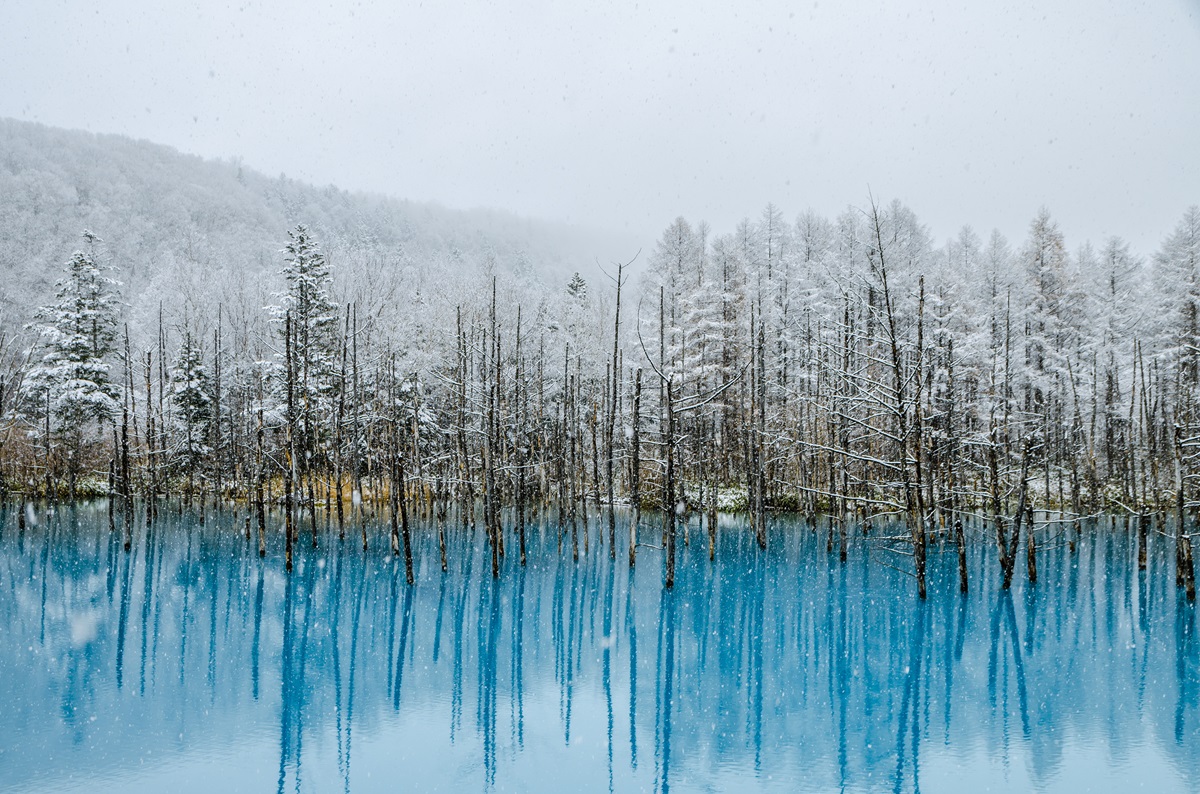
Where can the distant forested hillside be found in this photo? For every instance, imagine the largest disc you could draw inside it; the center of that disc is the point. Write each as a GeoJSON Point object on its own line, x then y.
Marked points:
{"type": "Point", "coordinates": [193, 234]}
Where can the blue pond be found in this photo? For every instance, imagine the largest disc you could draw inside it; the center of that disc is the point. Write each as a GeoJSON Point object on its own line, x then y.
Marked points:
{"type": "Point", "coordinates": [192, 665]}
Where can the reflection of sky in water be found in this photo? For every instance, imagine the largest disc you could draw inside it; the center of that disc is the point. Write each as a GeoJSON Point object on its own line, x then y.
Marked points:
{"type": "Point", "coordinates": [191, 664]}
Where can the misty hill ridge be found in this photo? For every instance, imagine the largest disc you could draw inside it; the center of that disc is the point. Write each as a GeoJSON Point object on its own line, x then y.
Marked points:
{"type": "Point", "coordinates": [187, 230]}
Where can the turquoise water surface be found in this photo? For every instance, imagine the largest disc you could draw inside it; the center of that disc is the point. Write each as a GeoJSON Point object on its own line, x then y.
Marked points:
{"type": "Point", "coordinates": [190, 664]}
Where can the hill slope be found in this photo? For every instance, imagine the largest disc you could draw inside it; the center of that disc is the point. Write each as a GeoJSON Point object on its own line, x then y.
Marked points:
{"type": "Point", "coordinates": [191, 233]}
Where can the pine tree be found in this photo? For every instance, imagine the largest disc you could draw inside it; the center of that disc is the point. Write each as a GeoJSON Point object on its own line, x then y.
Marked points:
{"type": "Point", "coordinates": [577, 287]}
{"type": "Point", "coordinates": [309, 321]}
{"type": "Point", "coordinates": [314, 319]}
{"type": "Point", "coordinates": [192, 399]}
{"type": "Point", "coordinates": [78, 335]}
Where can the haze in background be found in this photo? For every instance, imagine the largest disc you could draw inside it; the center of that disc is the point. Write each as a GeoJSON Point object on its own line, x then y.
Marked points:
{"type": "Point", "coordinates": [627, 115]}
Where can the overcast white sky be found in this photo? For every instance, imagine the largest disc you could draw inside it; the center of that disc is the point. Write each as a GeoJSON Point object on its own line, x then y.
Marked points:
{"type": "Point", "coordinates": [626, 115]}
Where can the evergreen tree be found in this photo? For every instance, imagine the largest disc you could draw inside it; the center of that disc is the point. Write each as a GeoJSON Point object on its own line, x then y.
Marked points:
{"type": "Point", "coordinates": [314, 322]}
{"type": "Point", "coordinates": [577, 287]}
{"type": "Point", "coordinates": [191, 397]}
{"type": "Point", "coordinates": [78, 337]}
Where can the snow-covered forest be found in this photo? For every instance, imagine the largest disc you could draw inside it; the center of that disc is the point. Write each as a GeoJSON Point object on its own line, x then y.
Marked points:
{"type": "Point", "coordinates": [177, 329]}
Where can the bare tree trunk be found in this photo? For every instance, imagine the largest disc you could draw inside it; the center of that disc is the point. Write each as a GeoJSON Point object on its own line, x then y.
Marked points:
{"type": "Point", "coordinates": [258, 494]}
{"type": "Point", "coordinates": [1143, 529]}
{"type": "Point", "coordinates": [1185, 572]}
{"type": "Point", "coordinates": [151, 463]}
{"type": "Point", "coordinates": [1031, 548]}
{"type": "Point", "coordinates": [668, 499]}
{"type": "Point", "coordinates": [612, 420]}
{"type": "Point", "coordinates": [290, 450]}
{"type": "Point", "coordinates": [398, 485]}
{"type": "Point", "coordinates": [522, 409]}
{"type": "Point", "coordinates": [1008, 547]}
{"type": "Point", "coordinates": [635, 468]}
{"type": "Point", "coordinates": [112, 495]}
{"type": "Point", "coordinates": [312, 507]}
{"type": "Point", "coordinates": [961, 541]}
{"type": "Point", "coordinates": [340, 466]}
{"type": "Point", "coordinates": [441, 520]}
{"type": "Point", "coordinates": [711, 504]}
{"type": "Point", "coordinates": [218, 466]}
{"type": "Point", "coordinates": [919, 533]}
{"type": "Point", "coordinates": [126, 486]}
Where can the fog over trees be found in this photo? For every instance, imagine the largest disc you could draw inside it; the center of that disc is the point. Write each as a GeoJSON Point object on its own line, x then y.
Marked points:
{"type": "Point", "coordinates": [182, 332]}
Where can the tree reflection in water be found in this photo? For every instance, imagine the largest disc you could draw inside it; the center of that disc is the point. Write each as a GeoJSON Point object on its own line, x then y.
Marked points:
{"type": "Point", "coordinates": [782, 669]}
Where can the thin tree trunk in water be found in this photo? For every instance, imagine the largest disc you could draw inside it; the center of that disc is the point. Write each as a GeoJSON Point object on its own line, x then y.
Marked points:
{"type": "Point", "coordinates": [842, 536]}
{"type": "Point", "coordinates": [520, 499]}
{"type": "Point", "coordinates": [1031, 549]}
{"type": "Point", "coordinates": [610, 425]}
{"type": "Point", "coordinates": [112, 495]}
{"type": "Point", "coordinates": [490, 509]}
{"type": "Point", "coordinates": [1143, 529]}
{"type": "Point", "coordinates": [400, 487]}
{"type": "Point", "coordinates": [1008, 549]}
{"type": "Point", "coordinates": [46, 436]}
{"type": "Point", "coordinates": [312, 507]}
{"type": "Point", "coordinates": [441, 521]}
{"type": "Point", "coordinates": [913, 508]}
{"type": "Point", "coordinates": [612, 422]}
{"type": "Point", "coordinates": [711, 517]}
{"type": "Point", "coordinates": [635, 496]}
{"type": "Point", "coordinates": [1185, 572]}
{"type": "Point", "coordinates": [151, 476]}
{"type": "Point", "coordinates": [393, 443]}
{"type": "Point", "coordinates": [290, 451]}
{"type": "Point", "coordinates": [571, 429]}
{"type": "Point", "coordinates": [498, 448]}
{"type": "Point", "coordinates": [580, 470]}
{"type": "Point", "coordinates": [920, 537]}
{"type": "Point", "coordinates": [394, 507]}
{"type": "Point", "coordinates": [465, 489]}
{"type": "Point", "coordinates": [162, 380]}
{"type": "Point", "coordinates": [593, 420]}
{"type": "Point", "coordinates": [560, 455]}
{"type": "Point", "coordinates": [760, 488]}
{"type": "Point", "coordinates": [216, 425]}
{"type": "Point", "coordinates": [355, 459]}
{"type": "Point", "coordinates": [126, 489]}
{"type": "Point", "coordinates": [662, 383]}
{"type": "Point", "coordinates": [340, 468]}
{"type": "Point", "coordinates": [961, 542]}
{"type": "Point", "coordinates": [258, 494]}
{"type": "Point", "coordinates": [522, 404]}
{"type": "Point", "coordinates": [1189, 570]}
{"type": "Point", "coordinates": [669, 489]}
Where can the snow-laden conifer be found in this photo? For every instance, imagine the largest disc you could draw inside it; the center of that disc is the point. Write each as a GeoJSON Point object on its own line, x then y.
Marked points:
{"type": "Point", "coordinates": [314, 322]}
{"type": "Point", "coordinates": [192, 399]}
{"type": "Point", "coordinates": [72, 378]}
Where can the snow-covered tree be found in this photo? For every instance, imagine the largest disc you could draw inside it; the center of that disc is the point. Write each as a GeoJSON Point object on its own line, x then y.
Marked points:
{"type": "Point", "coordinates": [314, 326]}
{"type": "Point", "coordinates": [77, 335]}
{"type": "Point", "coordinates": [673, 268]}
{"type": "Point", "coordinates": [577, 287]}
{"type": "Point", "coordinates": [1176, 292]}
{"type": "Point", "coordinates": [192, 399]}
{"type": "Point", "coordinates": [1045, 259]}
